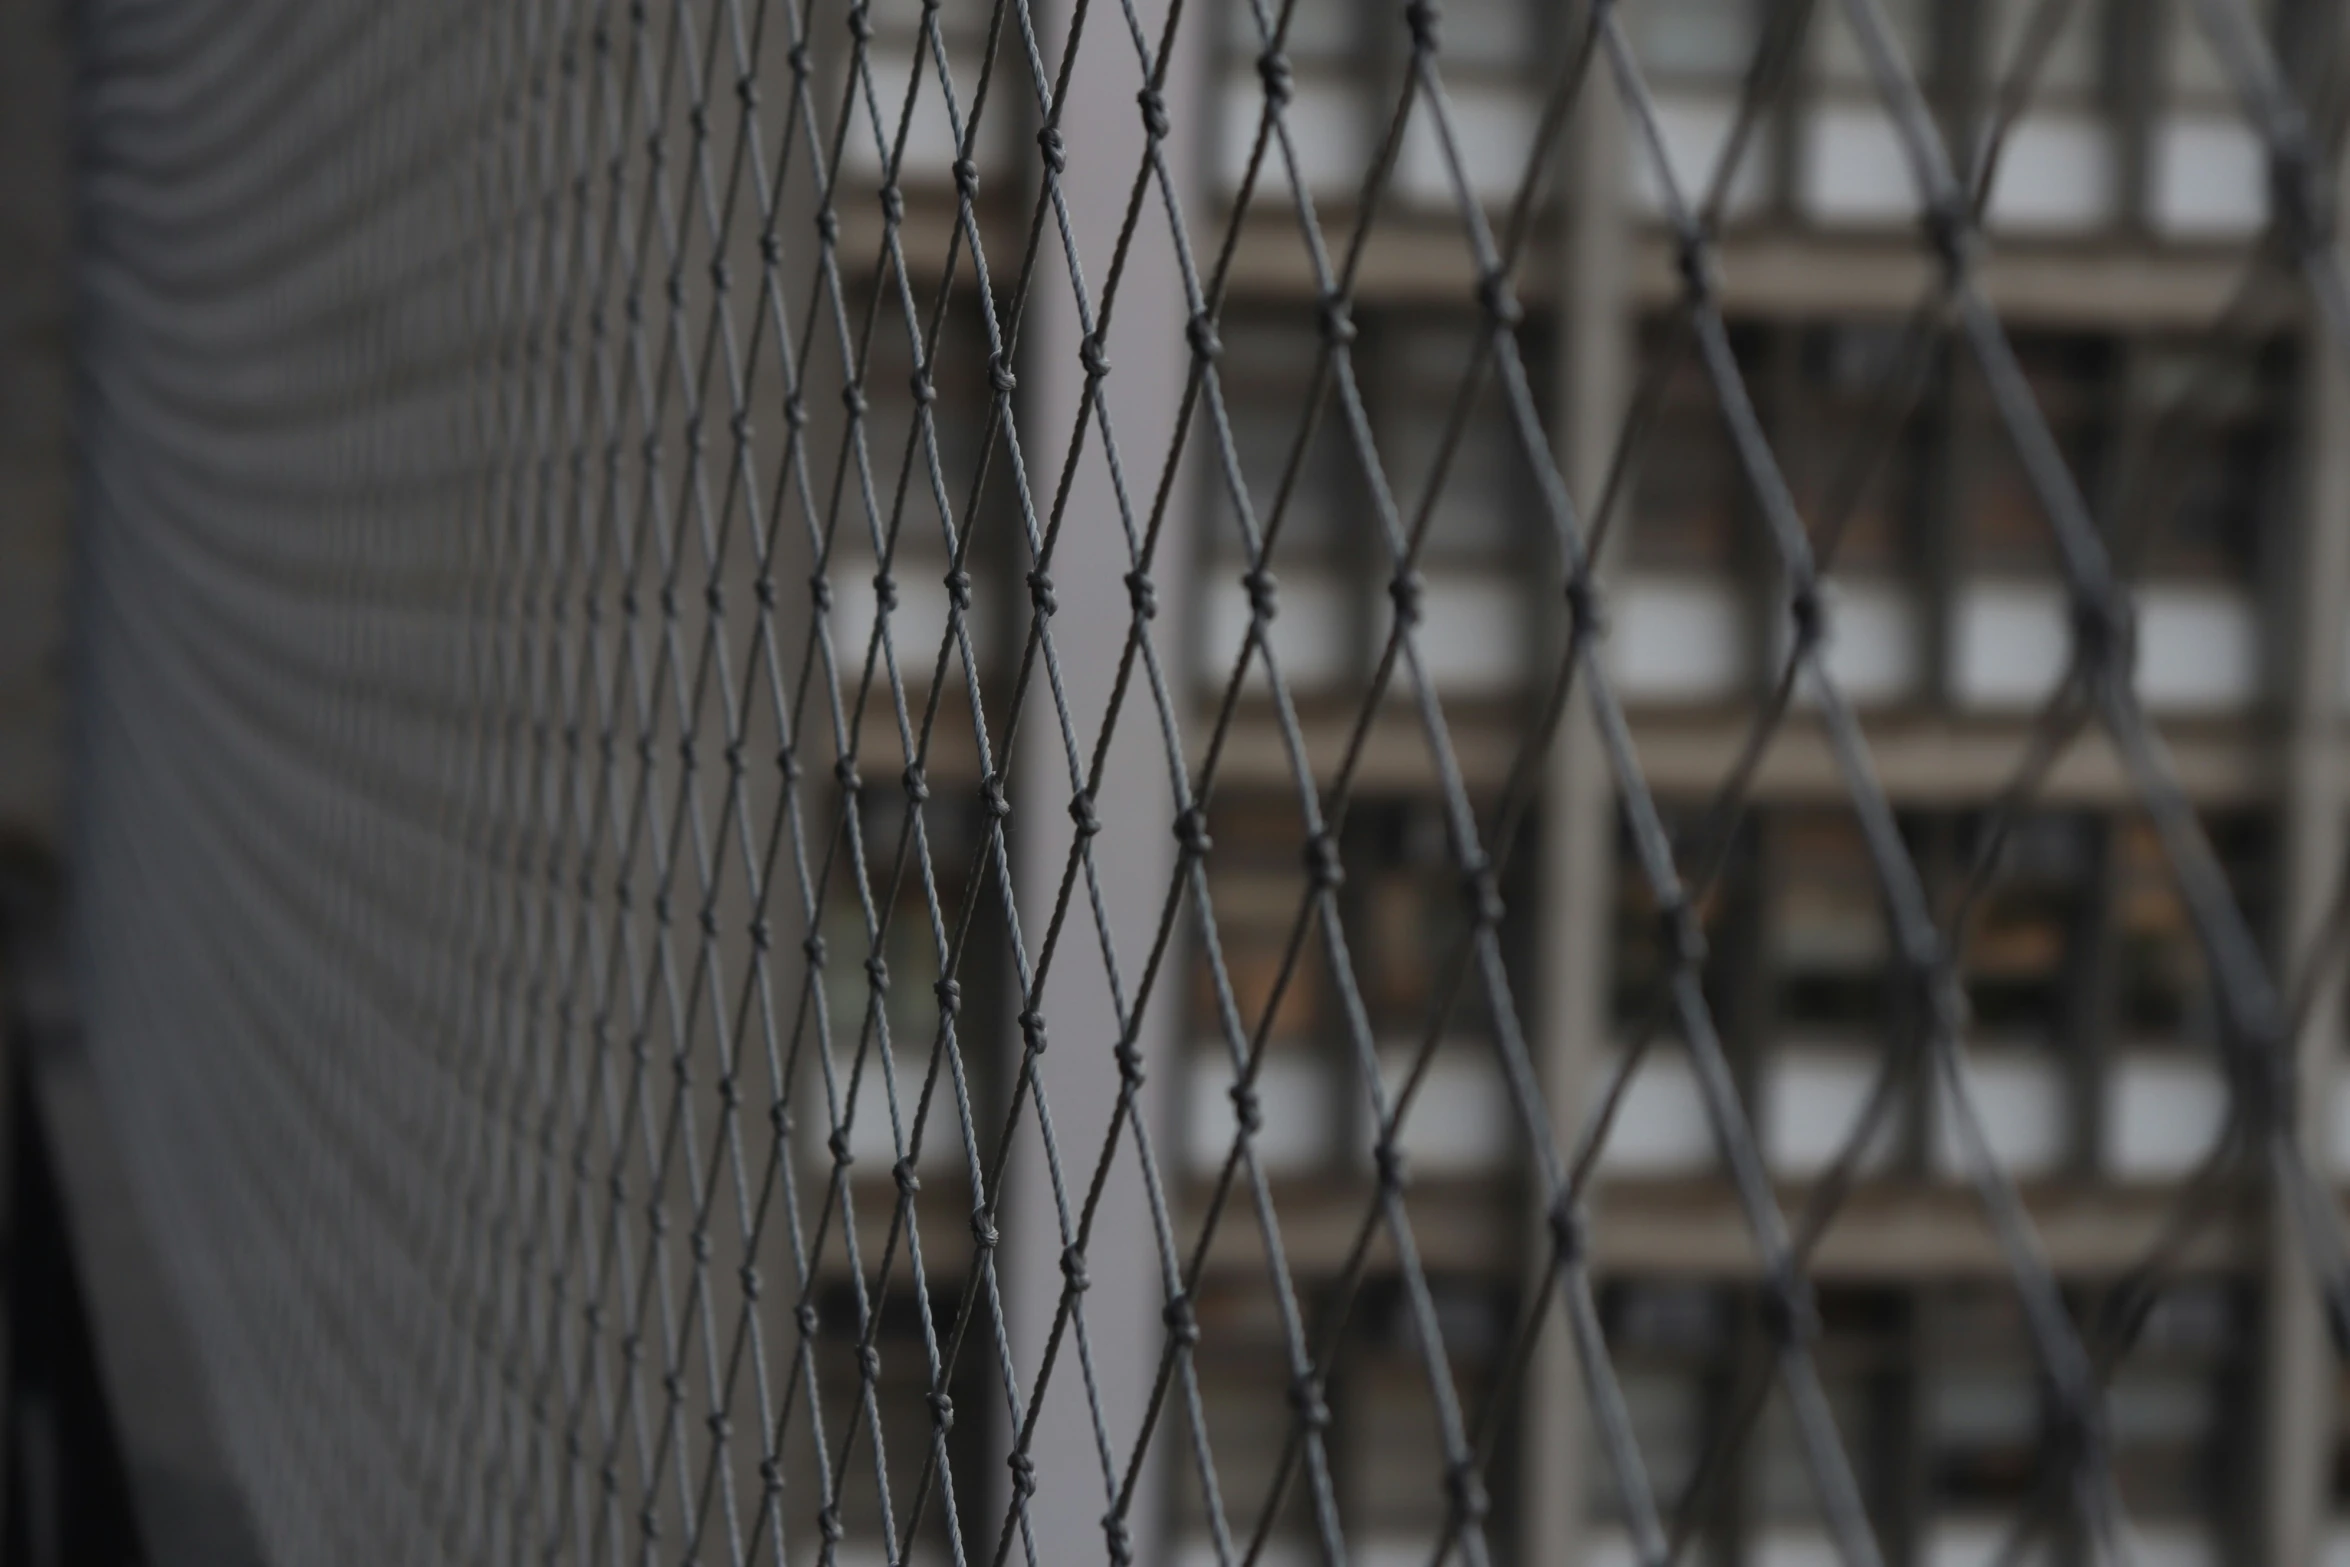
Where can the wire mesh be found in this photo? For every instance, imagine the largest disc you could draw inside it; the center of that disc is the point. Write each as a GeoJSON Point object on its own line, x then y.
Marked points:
{"type": "Point", "coordinates": [611, 715]}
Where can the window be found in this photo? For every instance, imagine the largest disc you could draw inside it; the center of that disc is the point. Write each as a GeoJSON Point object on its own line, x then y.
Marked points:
{"type": "Point", "coordinates": [909, 945]}
{"type": "Point", "coordinates": [1482, 509]}
{"type": "Point", "coordinates": [2169, 1401]}
{"type": "Point", "coordinates": [1844, 65]}
{"type": "Point", "coordinates": [1670, 1344]}
{"type": "Point", "coordinates": [1407, 918]}
{"type": "Point", "coordinates": [2207, 166]}
{"type": "Point", "coordinates": [1695, 41]}
{"type": "Point", "coordinates": [2213, 483]}
{"type": "Point", "coordinates": [1637, 959]}
{"type": "Point", "coordinates": [2193, 71]}
{"type": "Point", "coordinates": [1319, 30]}
{"type": "Point", "coordinates": [1855, 168]}
{"type": "Point", "coordinates": [2165, 986]}
{"type": "Point", "coordinates": [1688, 489]}
{"type": "Point", "coordinates": [1391, 1454]}
{"type": "Point", "coordinates": [1844, 371]}
{"type": "Point", "coordinates": [1244, 1389]}
{"type": "Point", "coordinates": [1862, 1351]}
{"type": "Point", "coordinates": [2018, 949]}
{"type": "Point", "coordinates": [958, 423]}
{"type": "Point", "coordinates": [2070, 69]}
{"type": "Point", "coordinates": [1830, 951]}
{"type": "Point", "coordinates": [1491, 34]}
{"type": "Point", "coordinates": [1256, 880]}
{"type": "Point", "coordinates": [900, 59]}
{"type": "Point", "coordinates": [1695, 55]}
{"type": "Point", "coordinates": [898, 1402]}
{"type": "Point", "coordinates": [2060, 167]}
{"type": "Point", "coordinates": [1984, 1428]}
{"type": "Point", "coordinates": [1268, 373]}
{"type": "Point", "coordinates": [2007, 526]}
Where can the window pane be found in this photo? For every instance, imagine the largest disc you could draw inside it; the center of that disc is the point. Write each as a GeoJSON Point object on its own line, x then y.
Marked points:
{"type": "Point", "coordinates": [1911, 23]}
{"type": "Point", "coordinates": [1670, 1344]}
{"type": "Point", "coordinates": [1688, 488]}
{"type": "Point", "coordinates": [1862, 1344]}
{"type": "Point", "coordinates": [1256, 880]}
{"type": "Point", "coordinates": [1318, 29]}
{"type": "Point", "coordinates": [1695, 39]}
{"type": "Point", "coordinates": [1244, 1388]}
{"type": "Point", "coordinates": [2074, 63]}
{"type": "Point", "coordinates": [1389, 1435]}
{"type": "Point", "coordinates": [1406, 918]}
{"type": "Point", "coordinates": [2170, 1400]}
{"type": "Point", "coordinates": [1829, 947]}
{"type": "Point", "coordinates": [1269, 366]}
{"type": "Point", "coordinates": [1835, 457]}
{"type": "Point", "coordinates": [1481, 508]}
{"type": "Point", "coordinates": [2209, 492]}
{"type": "Point", "coordinates": [1638, 956]}
{"type": "Point", "coordinates": [958, 422]}
{"type": "Point", "coordinates": [2165, 982]}
{"type": "Point", "coordinates": [1487, 32]}
{"type": "Point", "coordinates": [2007, 523]}
{"type": "Point", "coordinates": [2194, 68]}
{"type": "Point", "coordinates": [1983, 1409]}
{"type": "Point", "coordinates": [2017, 946]}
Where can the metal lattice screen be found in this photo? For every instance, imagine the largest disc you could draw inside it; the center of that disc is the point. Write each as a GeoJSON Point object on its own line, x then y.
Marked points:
{"type": "Point", "coordinates": [646, 810]}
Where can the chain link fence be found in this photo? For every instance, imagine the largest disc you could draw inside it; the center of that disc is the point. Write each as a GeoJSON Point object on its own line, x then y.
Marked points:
{"type": "Point", "coordinates": [645, 811]}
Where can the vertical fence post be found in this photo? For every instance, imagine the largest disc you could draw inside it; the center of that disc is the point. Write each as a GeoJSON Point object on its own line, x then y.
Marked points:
{"type": "Point", "coordinates": [2301, 1372]}
{"type": "Point", "coordinates": [1593, 355]}
{"type": "Point", "coordinates": [1134, 852]}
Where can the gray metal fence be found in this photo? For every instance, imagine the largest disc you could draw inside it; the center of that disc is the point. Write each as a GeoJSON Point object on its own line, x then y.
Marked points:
{"type": "Point", "coordinates": [644, 815]}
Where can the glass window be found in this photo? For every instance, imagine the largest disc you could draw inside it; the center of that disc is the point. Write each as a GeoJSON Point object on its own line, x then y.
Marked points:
{"type": "Point", "coordinates": [1982, 1402]}
{"type": "Point", "coordinates": [908, 947]}
{"type": "Point", "coordinates": [1845, 64]}
{"type": "Point", "coordinates": [1256, 880]}
{"type": "Point", "coordinates": [1319, 30]}
{"type": "Point", "coordinates": [2023, 927]}
{"type": "Point", "coordinates": [1482, 507]}
{"type": "Point", "coordinates": [1638, 959]}
{"type": "Point", "coordinates": [1830, 950]}
{"type": "Point", "coordinates": [1406, 917]}
{"type": "Point", "coordinates": [1670, 1344]}
{"type": "Point", "coordinates": [958, 423]}
{"type": "Point", "coordinates": [1244, 1389]}
{"type": "Point", "coordinates": [1688, 490]}
{"type": "Point", "coordinates": [1390, 1441]}
{"type": "Point", "coordinates": [1487, 33]}
{"type": "Point", "coordinates": [1862, 1347]}
{"type": "Point", "coordinates": [2168, 1401]}
{"type": "Point", "coordinates": [2073, 64]}
{"type": "Point", "coordinates": [1835, 457]}
{"type": "Point", "coordinates": [1695, 40]}
{"type": "Point", "coordinates": [2210, 490]}
{"type": "Point", "coordinates": [902, 1382]}
{"type": "Point", "coordinates": [2165, 981]}
{"type": "Point", "coordinates": [1268, 375]}
{"type": "Point", "coordinates": [2192, 68]}
{"type": "Point", "coordinates": [2007, 524]}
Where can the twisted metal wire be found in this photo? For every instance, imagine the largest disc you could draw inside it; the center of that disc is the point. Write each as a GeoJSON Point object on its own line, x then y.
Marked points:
{"type": "Point", "coordinates": [474, 728]}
